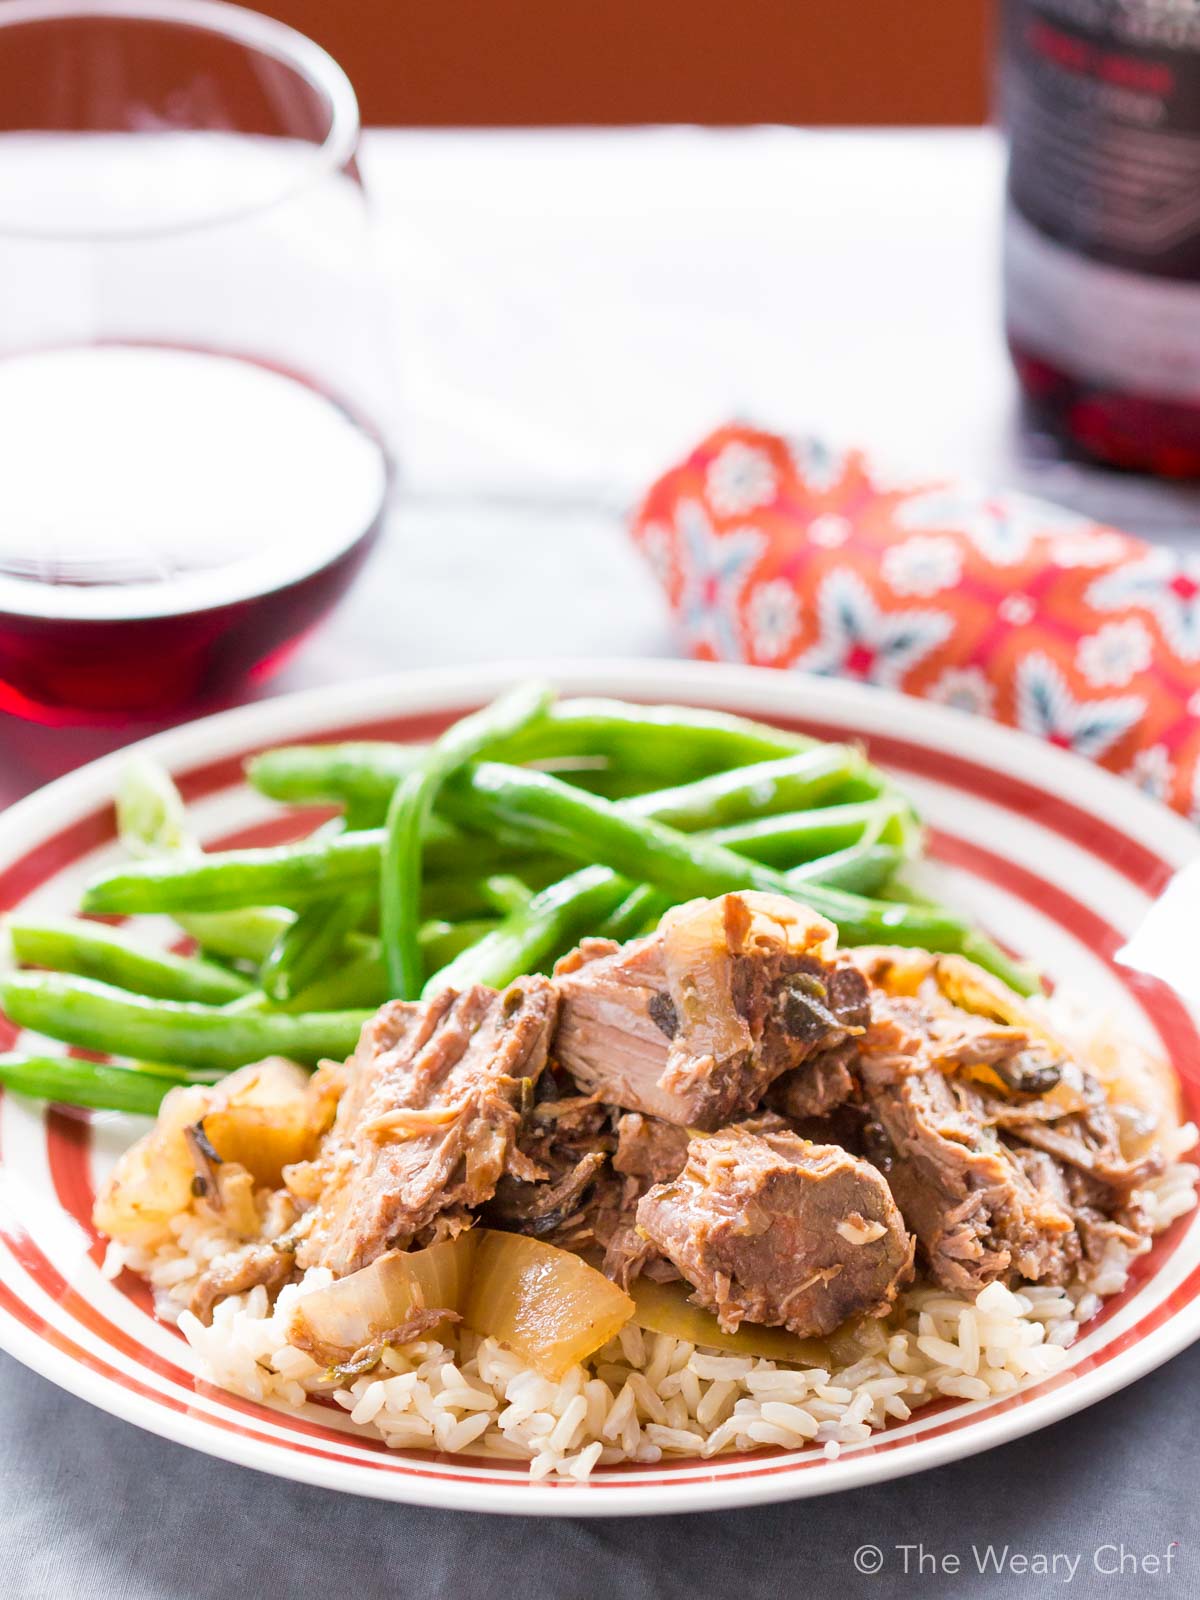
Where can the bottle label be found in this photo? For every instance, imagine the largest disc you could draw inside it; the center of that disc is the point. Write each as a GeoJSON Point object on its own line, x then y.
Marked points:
{"type": "Point", "coordinates": [1102, 103]}
{"type": "Point", "coordinates": [1118, 328]}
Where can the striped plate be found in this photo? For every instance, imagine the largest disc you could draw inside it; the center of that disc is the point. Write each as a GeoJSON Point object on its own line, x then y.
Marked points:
{"type": "Point", "coordinates": [1061, 861]}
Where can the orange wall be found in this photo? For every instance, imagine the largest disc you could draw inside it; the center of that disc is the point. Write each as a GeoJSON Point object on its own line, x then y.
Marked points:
{"type": "Point", "coordinates": [512, 62]}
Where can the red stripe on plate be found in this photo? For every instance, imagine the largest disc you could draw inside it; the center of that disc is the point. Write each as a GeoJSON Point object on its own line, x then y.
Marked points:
{"type": "Point", "coordinates": [1127, 856]}
{"type": "Point", "coordinates": [30, 871]}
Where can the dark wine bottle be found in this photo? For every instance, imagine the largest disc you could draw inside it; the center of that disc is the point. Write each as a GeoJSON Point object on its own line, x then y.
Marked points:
{"type": "Point", "coordinates": [1101, 103]}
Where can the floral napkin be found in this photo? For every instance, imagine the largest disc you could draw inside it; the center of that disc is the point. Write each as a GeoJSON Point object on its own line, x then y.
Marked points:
{"type": "Point", "coordinates": [784, 552]}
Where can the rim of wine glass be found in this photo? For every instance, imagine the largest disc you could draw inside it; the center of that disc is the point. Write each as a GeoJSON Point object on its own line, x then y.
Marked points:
{"type": "Point", "coordinates": [264, 34]}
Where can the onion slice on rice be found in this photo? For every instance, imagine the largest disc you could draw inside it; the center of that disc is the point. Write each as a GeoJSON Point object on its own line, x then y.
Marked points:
{"type": "Point", "coordinates": [546, 1304]}
{"type": "Point", "coordinates": [357, 1312]}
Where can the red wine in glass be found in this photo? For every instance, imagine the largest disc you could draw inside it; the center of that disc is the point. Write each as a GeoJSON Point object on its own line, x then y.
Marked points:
{"type": "Point", "coordinates": [170, 520]}
{"type": "Point", "coordinates": [194, 378]}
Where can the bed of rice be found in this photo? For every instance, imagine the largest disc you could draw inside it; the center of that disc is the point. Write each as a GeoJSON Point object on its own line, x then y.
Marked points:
{"type": "Point", "coordinates": [645, 1395]}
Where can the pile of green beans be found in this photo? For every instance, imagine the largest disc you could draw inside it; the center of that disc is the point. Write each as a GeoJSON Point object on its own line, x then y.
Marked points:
{"type": "Point", "coordinates": [485, 855]}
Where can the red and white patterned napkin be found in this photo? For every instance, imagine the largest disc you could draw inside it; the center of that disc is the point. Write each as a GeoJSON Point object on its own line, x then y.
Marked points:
{"type": "Point", "coordinates": [786, 553]}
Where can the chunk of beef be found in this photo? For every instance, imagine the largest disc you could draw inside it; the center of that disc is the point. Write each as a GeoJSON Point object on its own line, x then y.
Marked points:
{"type": "Point", "coordinates": [978, 1213]}
{"type": "Point", "coordinates": [629, 1252]}
{"type": "Point", "coordinates": [1086, 1139]}
{"type": "Point", "coordinates": [544, 1208]}
{"type": "Point", "coordinates": [693, 1023]}
{"type": "Point", "coordinates": [649, 1148]}
{"type": "Point", "coordinates": [580, 1200]}
{"type": "Point", "coordinates": [1102, 1219]}
{"type": "Point", "coordinates": [650, 1152]}
{"type": "Point", "coordinates": [819, 1087]}
{"type": "Point", "coordinates": [428, 1122]}
{"type": "Point", "coordinates": [564, 1142]}
{"type": "Point", "coordinates": [647, 1151]}
{"type": "Point", "coordinates": [771, 1228]}
{"type": "Point", "coordinates": [1049, 1182]}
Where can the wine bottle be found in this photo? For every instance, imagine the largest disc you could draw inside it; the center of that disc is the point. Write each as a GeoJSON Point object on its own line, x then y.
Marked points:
{"type": "Point", "coordinates": [1101, 103]}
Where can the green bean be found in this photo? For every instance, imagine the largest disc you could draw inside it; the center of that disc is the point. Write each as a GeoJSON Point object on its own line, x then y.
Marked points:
{"type": "Point", "coordinates": [609, 782]}
{"type": "Point", "coordinates": [671, 743]}
{"type": "Point", "coordinates": [84, 1083]}
{"type": "Point", "coordinates": [409, 811]}
{"type": "Point", "coordinates": [590, 829]}
{"type": "Point", "coordinates": [682, 866]}
{"type": "Point", "coordinates": [444, 849]}
{"type": "Point", "coordinates": [308, 943]}
{"type": "Point", "coordinates": [359, 981]}
{"type": "Point", "coordinates": [152, 823]}
{"type": "Point", "coordinates": [465, 899]}
{"type": "Point", "coordinates": [203, 893]}
{"type": "Point", "coordinates": [506, 892]}
{"type": "Point", "coordinates": [280, 874]}
{"type": "Point", "coordinates": [857, 866]}
{"type": "Point", "coordinates": [358, 984]}
{"type": "Point", "coordinates": [356, 816]}
{"type": "Point", "coordinates": [754, 794]}
{"type": "Point", "coordinates": [92, 950]}
{"type": "Point", "coordinates": [641, 907]}
{"type": "Point", "coordinates": [791, 783]}
{"type": "Point", "coordinates": [176, 1074]}
{"type": "Point", "coordinates": [556, 917]}
{"type": "Point", "coordinates": [793, 837]}
{"type": "Point", "coordinates": [597, 898]}
{"type": "Point", "coordinates": [441, 942]}
{"type": "Point", "coordinates": [274, 875]}
{"type": "Point", "coordinates": [361, 773]}
{"type": "Point", "coordinates": [98, 1017]}
{"type": "Point", "coordinates": [864, 868]}
{"type": "Point", "coordinates": [246, 935]}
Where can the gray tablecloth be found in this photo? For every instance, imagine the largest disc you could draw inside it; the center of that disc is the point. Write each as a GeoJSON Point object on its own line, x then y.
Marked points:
{"type": "Point", "coordinates": [93, 1507]}
{"type": "Point", "coordinates": [608, 326]}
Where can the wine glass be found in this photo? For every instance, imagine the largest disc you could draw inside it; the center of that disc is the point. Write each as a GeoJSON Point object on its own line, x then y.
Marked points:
{"type": "Point", "coordinates": [195, 399]}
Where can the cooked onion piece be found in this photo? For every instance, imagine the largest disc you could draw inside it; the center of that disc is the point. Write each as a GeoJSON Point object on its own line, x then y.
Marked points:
{"type": "Point", "coordinates": [1142, 1089]}
{"type": "Point", "coordinates": [359, 1311]}
{"type": "Point", "coordinates": [546, 1304]}
{"type": "Point", "coordinates": [267, 1116]}
{"type": "Point", "coordinates": [152, 1182]}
